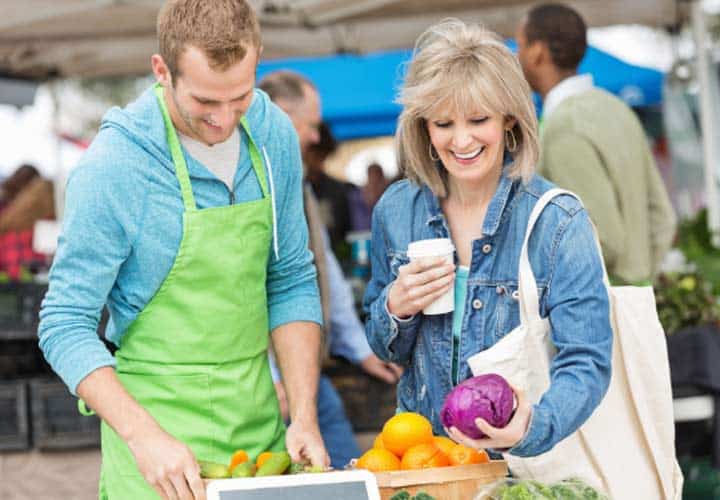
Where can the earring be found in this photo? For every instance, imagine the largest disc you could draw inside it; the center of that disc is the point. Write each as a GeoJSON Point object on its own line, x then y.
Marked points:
{"type": "Point", "coordinates": [510, 141]}
{"type": "Point", "coordinates": [430, 152]}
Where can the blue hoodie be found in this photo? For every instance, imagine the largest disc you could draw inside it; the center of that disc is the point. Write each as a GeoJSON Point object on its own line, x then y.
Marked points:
{"type": "Point", "coordinates": [122, 228]}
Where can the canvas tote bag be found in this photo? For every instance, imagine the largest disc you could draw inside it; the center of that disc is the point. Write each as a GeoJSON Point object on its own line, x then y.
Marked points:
{"type": "Point", "coordinates": [626, 447]}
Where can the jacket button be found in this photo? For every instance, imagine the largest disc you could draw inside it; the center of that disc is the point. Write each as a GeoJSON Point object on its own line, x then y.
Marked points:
{"type": "Point", "coordinates": [499, 290]}
{"type": "Point", "coordinates": [477, 304]}
{"type": "Point", "coordinates": [487, 248]}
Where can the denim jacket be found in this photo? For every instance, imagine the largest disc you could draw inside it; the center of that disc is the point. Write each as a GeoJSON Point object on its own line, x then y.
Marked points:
{"type": "Point", "coordinates": [568, 270]}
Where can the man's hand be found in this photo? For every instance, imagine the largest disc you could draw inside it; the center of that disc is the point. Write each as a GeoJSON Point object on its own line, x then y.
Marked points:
{"type": "Point", "coordinates": [167, 465]}
{"type": "Point", "coordinates": [304, 443]}
{"type": "Point", "coordinates": [387, 372]}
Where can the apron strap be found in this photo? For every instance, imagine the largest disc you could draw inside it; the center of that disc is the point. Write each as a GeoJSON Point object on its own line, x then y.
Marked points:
{"type": "Point", "coordinates": [176, 151]}
{"type": "Point", "coordinates": [179, 159]}
{"type": "Point", "coordinates": [255, 158]}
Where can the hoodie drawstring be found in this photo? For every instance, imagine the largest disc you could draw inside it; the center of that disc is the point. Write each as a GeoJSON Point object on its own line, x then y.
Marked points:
{"type": "Point", "coordinates": [272, 203]}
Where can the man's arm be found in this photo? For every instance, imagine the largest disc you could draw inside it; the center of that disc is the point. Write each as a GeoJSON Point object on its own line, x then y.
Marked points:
{"type": "Point", "coordinates": [102, 211]}
{"type": "Point", "coordinates": [168, 465]}
{"type": "Point", "coordinates": [297, 349]}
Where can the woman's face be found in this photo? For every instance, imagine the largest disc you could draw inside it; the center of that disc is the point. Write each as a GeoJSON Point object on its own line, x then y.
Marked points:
{"type": "Point", "coordinates": [470, 145]}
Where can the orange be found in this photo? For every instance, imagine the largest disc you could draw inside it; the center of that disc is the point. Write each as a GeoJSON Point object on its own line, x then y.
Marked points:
{"type": "Point", "coordinates": [462, 455]}
{"type": "Point", "coordinates": [378, 442]}
{"type": "Point", "coordinates": [262, 458]}
{"type": "Point", "coordinates": [378, 460]}
{"type": "Point", "coordinates": [405, 430]}
{"type": "Point", "coordinates": [239, 457]}
{"type": "Point", "coordinates": [444, 443]}
{"type": "Point", "coordinates": [424, 456]}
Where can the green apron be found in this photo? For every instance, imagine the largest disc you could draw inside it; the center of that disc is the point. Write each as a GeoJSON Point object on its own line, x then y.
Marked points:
{"type": "Point", "coordinates": [196, 356]}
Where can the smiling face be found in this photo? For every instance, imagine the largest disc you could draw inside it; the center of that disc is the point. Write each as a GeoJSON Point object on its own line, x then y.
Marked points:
{"type": "Point", "coordinates": [204, 103]}
{"type": "Point", "coordinates": [470, 145]}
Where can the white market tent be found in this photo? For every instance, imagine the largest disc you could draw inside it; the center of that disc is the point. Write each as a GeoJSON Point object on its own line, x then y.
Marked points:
{"type": "Point", "coordinates": [42, 39]}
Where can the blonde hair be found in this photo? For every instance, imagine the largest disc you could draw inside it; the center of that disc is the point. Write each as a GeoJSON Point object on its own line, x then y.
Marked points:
{"type": "Point", "coordinates": [222, 29]}
{"type": "Point", "coordinates": [470, 68]}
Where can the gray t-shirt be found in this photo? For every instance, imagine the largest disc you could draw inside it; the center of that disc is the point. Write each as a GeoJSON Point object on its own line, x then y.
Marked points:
{"type": "Point", "coordinates": [221, 158]}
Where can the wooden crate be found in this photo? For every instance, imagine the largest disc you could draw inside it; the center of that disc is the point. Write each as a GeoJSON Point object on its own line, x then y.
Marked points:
{"type": "Point", "coordinates": [460, 482]}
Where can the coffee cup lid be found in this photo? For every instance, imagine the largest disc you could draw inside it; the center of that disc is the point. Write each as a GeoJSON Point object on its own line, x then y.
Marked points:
{"type": "Point", "coordinates": [430, 248]}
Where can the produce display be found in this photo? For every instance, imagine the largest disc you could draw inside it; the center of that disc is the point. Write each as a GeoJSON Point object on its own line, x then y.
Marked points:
{"type": "Point", "coordinates": [516, 489]}
{"type": "Point", "coordinates": [488, 396]}
{"type": "Point", "coordinates": [268, 463]}
{"type": "Point", "coordinates": [407, 442]}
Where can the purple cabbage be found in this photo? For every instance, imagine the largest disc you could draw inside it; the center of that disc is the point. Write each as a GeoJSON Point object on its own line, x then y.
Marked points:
{"type": "Point", "coordinates": [488, 396]}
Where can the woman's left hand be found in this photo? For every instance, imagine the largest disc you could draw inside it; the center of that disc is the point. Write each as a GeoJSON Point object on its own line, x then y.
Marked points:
{"type": "Point", "coordinates": [499, 438]}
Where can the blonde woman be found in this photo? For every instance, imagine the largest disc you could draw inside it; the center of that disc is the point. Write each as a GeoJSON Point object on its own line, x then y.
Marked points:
{"type": "Point", "coordinates": [467, 140]}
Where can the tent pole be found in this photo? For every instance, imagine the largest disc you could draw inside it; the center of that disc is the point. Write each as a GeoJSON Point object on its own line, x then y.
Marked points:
{"type": "Point", "coordinates": [708, 117]}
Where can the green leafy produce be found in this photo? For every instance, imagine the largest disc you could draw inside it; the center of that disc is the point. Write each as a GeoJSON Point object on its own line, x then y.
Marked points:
{"type": "Point", "coordinates": [404, 495]}
{"type": "Point", "coordinates": [516, 489]}
{"type": "Point", "coordinates": [685, 299]}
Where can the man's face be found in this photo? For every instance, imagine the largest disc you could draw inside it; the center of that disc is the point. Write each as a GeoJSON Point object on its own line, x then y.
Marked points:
{"type": "Point", "coordinates": [306, 117]}
{"type": "Point", "coordinates": [207, 103]}
{"type": "Point", "coordinates": [524, 55]}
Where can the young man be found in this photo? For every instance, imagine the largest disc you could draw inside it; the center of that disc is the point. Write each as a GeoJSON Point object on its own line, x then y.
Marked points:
{"type": "Point", "coordinates": [594, 145]}
{"type": "Point", "coordinates": [185, 217]}
{"type": "Point", "coordinates": [299, 98]}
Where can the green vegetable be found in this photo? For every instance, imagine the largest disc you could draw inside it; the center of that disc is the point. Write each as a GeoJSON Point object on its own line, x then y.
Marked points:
{"type": "Point", "coordinates": [213, 470]}
{"type": "Point", "coordinates": [277, 464]}
{"type": "Point", "coordinates": [245, 469]}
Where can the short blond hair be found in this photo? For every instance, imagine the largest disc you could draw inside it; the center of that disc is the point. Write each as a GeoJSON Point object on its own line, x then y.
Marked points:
{"type": "Point", "coordinates": [468, 67]}
{"type": "Point", "coordinates": [223, 29]}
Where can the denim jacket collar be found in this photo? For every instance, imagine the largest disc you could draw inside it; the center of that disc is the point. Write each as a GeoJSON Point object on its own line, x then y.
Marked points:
{"type": "Point", "coordinates": [495, 209]}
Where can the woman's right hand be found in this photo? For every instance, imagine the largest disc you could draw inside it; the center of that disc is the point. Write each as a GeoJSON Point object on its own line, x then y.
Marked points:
{"type": "Point", "coordinates": [418, 285]}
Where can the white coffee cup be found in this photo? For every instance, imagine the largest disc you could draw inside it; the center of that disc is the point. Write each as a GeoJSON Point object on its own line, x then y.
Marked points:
{"type": "Point", "coordinates": [436, 247]}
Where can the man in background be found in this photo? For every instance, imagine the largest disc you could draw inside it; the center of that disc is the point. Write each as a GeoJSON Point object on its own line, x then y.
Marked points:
{"type": "Point", "coordinates": [593, 144]}
{"type": "Point", "coordinates": [298, 97]}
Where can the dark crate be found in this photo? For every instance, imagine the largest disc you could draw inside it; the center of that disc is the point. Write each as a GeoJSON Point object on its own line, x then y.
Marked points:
{"type": "Point", "coordinates": [19, 309]}
{"type": "Point", "coordinates": [369, 402]}
{"type": "Point", "coordinates": [14, 422]}
{"type": "Point", "coordinates": [57, 424]}
{"type": "Point", "coordinates": [22, 359]}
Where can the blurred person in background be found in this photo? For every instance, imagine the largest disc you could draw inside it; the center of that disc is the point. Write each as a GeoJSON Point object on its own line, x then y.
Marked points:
{"type": "Point", "coordinates": [594, 145]}
{"type": "Point", "coordinates": [363, 199]}
{"type": "Point", "coordinates": [185, 217]}
{"type": "Point", "coordinates": [345, 334]}
{"type": "Point", "coordinates": [25, 197]}
{"type": "Point", "coordinates": [331, 194]}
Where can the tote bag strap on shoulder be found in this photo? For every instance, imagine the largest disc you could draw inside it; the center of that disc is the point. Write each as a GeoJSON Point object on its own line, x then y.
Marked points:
{"type": "Point", "coordinates": [529, 300]}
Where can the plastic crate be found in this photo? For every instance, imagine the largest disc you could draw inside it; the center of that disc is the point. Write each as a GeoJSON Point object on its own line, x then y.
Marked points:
{"type": "Point", "coordinates": [19, 308]}
{"type": "Point", "coordinates": [14, 422]}
{"type": "Point", "coordinates": [369, 402]}
{"type": "Point", "coordinates": [22, 359]}
{"type": "Point", "coordinates": [57, 424]}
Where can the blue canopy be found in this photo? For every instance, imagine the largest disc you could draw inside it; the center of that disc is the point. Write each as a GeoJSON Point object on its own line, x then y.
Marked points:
{"type": "Point", "coordinates": [358, 91]}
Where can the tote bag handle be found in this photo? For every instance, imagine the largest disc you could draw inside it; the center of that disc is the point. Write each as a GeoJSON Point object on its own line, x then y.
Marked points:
{"type": "Point", "coordinates": [529, 300]}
